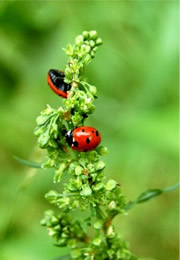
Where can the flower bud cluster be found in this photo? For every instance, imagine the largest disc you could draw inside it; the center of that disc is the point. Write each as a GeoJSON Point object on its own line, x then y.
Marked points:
{"type": "Point", "coordinates": [113, 247]}
{"type": "Point", "coordinates": [63, 229]}
{"type": "Point", "coordinates": [81, 94]}
{"type": "Point", "coordinates": [85, 189]}
{"type": "Point", "coordinates": [81, 102]}
{"type": "Point", "coordinates": [81, 53]}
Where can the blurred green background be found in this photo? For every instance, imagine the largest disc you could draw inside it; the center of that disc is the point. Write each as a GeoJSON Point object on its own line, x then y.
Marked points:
{"type": "Point", "coordinates": [136, 73]}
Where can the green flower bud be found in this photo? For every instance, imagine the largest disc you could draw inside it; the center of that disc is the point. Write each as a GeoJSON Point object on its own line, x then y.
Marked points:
{"type": "Point", "coordinates": [72, 243]}
{"type": "Point", "coordinates": [93, 90]}
{"type": "Point", "coordinates": [87, 59]}
{"type": "Point", "coordinates": [99, 41]}
{"type": "Point", "coordinates": [57, 228]}
{"type": "Point", "coordinates": [98, 224]}
{"type": "Point", "coordinates": [72, 167]}
{"type": "Point", "coordinates": [102, 150]}
{"type": "Point", "coordinates": [48, 164]}
{"type": "Point", "coordinates": [97, 241]}
{"type": "Point", "coordinates": [60, 111]}
{"type": "Point", "coordinates": [79, 170]}
{"type": "Point", "coordinates": [110, 185]}
{"type": "Point", "coordinates": [110, 232]}
{"type": "Point", "coordinates": [63, 202]}
{"type": "Point", "coordinates": [76, 184]}
{"type": "Point", "coordinates": [85, 48]}
{"type": "Point", "coordinates": [98, 186]}
{"type": "Point", "coordinates": [68, 73]}
{"type": "Point", "coordinates": [59, 173]}
{"type": "Point", "coordinates": [90, 168]}
{"type": "Point", "coordinates": [79, 40]}
{"type": "Point", "coordinates": [81, 95]}
{"type": "Point", "coordinates": [52, 196]}
{"type": "Point", "coordinates": [86, 190]}
{"type": "Point", "coordinates": [112, 205]}
{"type": "Point", "coordinates": [64, 235]}
{"type": "Point", "coordinates": [95, 49]}
{"type": "Point", "coordinates": [49, 110]}
{"type": "Point", "coordinates": [87, 108]}
{"type": "Point", "coordinates": [92, 54]}
{"type": "Point", "coordinates": [86, 35]}
{"type": "Point", "coordinates": [92, 43]}
{"type": "Point", "coordinates": [76, 253]}
{"type": "Point", "coordinates": [100, 165]}
{"type": "Point", "coordinates": [43, 222]}
{"type": "Point", "coordinates": [52, 232]}
{"type": "Point", "coordinates": [82, 162]}
{"type": "Point", "coordinates": [75, 204]}
{"type": "Point", "coordinates": [69, 50]}
{"type": "Point", "coordinates": [54, 220]}
{"type": "Point", "coordinates": [75, 66]}
{"type": "Point", "coordinates": [94, 175]}
{"type": "Point", "coordinates": [93, 35]}
{"type": "Point", "coordinates": [87, 43]}
{"type": "Point", "coordinates": [48, 213]}
{"type": "Point", "coordinates": [62, 242]}
{"type": "Point", "coordinates": [77, 118]}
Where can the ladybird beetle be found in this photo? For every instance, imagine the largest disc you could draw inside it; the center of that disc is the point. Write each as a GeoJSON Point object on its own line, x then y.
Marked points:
{"type": "Point", "coordinates": [55, 79]}
{"type": "Point", "coordinates": [83, 139]}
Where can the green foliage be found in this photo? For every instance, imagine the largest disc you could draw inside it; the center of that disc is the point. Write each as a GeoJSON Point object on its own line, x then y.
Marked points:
{"type": "Point", "coordinates": [149, 194]}
{"type": "Point", "coordinates": [86, 189]}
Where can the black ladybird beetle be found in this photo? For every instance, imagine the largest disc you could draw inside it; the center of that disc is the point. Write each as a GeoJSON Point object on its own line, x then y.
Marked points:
{"type": "Point", "coordinates": [56, 82]}
{"type": "Point", "coordinates": [84, 138]}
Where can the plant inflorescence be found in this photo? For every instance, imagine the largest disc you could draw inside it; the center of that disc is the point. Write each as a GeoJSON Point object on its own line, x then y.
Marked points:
{"type": "Point", "coordinates": [88, 203]}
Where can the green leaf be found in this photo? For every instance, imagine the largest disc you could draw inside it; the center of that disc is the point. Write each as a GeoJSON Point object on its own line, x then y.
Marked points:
{"type": "Point", "coordinates": [44, 139]}
{"type": "Point", "coordinates": [27, 163]}
{"type": "Point", "coordinates": [40, 120]}
{"type": "Point", "coordinates": [149, 194]}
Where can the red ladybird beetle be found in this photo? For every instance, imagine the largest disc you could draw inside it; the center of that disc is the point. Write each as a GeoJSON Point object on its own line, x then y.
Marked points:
{"type": "Point", "coordinates": [55, 79]}
{"type": "Point", "coordinates": [83, 139]}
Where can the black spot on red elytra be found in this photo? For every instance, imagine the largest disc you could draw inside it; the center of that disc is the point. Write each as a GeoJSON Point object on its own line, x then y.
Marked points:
{"type": "Point", "coordinates": [97, 133]}
{"type": "Point", "coordinates": [75, 144]}
{"type": "Point", "coordinates": [87, 140]}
